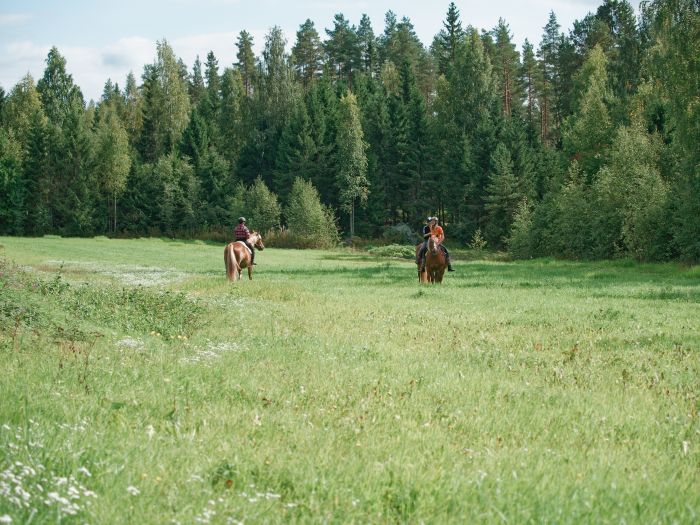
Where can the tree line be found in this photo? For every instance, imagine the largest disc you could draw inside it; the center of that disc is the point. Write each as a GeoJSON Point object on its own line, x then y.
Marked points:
{"type": "Point", "coordinates": [585, 146]}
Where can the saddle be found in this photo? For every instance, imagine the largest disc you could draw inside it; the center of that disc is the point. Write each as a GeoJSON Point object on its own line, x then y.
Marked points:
{"type": "Point", "coordinates": [250, 252]}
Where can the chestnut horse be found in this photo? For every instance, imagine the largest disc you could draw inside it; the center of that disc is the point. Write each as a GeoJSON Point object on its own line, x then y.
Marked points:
{"type": "Point", "coordinates": [435, 262]}
{"type": "Point", "coordinates": [237, 256]}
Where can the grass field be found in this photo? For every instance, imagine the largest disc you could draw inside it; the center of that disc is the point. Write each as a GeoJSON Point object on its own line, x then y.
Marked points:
{"type": "Point", "coordinates": [139, 386]}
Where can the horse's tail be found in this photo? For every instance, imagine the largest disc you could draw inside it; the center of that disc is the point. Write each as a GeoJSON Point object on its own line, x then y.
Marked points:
{"type": "Point", "coordinates": [232, 268]}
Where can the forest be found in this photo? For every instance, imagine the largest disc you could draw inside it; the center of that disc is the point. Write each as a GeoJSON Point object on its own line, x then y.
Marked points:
{"type": "Point", "coordinates": [583, 146]}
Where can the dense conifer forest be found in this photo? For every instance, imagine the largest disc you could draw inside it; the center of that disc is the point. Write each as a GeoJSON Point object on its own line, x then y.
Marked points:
{"type": "Point", "coordinates": [584, 145]}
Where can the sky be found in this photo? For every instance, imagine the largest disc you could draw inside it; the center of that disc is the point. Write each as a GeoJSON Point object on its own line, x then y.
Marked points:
{"type": "Point", "coordinates": [106, 39]}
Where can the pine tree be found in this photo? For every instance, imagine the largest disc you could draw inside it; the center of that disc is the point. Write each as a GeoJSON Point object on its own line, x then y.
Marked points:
{"type": "Point", "coordinates": [367, 42]}
{"type": "Point", "coordinates": [342, 49]}
{"type": "Point", "coordinates": [353, 186]}
{"type": "Point", "coordinates": [506, 64]}
{"type": "Point", "coordinates": [307, 53]}
{"type": "Point", "coordinates": [246, 61]}
{"type": "Point", "coordinates": [548, 55]}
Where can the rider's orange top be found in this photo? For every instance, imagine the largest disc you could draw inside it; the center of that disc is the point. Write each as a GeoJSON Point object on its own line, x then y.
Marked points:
{"type": "Point", "coordinates": [437, 231]}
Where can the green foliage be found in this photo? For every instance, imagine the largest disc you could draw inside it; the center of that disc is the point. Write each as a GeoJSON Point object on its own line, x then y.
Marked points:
{"type": "Point", "coordinates": [400, 233]}
{"type": "Point", "coordinates": [263, 209]}
{"type": "Point", "coordinates": [588, 133]}
{"type": "Point", "coordinates": [631, 187]}
{"type": "Point", "coordinates": [394, 251]}
{"type": "Point", "coordinates": [502, 196]}
{"type": "Point", "coordinates": [520, 240]}
{"type": "Point", "coordinates": [307, 218]}
{"type": "Point", "coordinates": [478, 242]}
{"type": "Point", "coordinates": [352, 159]}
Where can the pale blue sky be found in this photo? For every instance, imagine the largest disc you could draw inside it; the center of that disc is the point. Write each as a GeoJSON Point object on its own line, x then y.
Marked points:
{"type": "Point", "coordinates": [107, 39]}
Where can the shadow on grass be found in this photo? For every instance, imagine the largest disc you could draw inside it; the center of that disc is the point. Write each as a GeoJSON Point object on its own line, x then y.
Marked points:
{"type": "Point", "coordinates": [648, 282]}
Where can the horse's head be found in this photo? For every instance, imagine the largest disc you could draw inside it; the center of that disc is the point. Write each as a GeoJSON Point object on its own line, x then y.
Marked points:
{"type": "Point", "coordinates": [256, 240]}
{"type": "Point", "coordinates": [433, 245]}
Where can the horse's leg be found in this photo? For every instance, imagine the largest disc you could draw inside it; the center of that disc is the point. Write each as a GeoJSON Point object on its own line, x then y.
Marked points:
{"type": "Point", "coordinates": [238, 270]}
{"type": "Point", "coordinates": [250, 270]}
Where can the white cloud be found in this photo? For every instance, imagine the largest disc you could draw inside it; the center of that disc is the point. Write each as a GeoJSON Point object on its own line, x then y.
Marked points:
{"type": "Point", "coordinates": [13, 19]}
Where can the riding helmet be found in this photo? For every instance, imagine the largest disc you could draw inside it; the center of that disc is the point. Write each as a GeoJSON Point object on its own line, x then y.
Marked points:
{"type": "Point", "coordinates": [241, 220]}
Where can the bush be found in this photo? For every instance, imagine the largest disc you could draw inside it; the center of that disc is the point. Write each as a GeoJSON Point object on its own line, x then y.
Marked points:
{"type": "Point", "coordinates": [401, 233]}
{"type": "Point", "coordinates": [395, 251]}
{"type": "Point", "coordinates": [310, 222]}
{"type": "Point", "coordinates": [520, 243]}
{"type": "Point", "coordinates": [263, 209]}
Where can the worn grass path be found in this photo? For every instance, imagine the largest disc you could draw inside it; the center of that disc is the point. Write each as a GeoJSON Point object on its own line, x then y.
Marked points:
{"type": "Point", "coordinates": [139, 386]}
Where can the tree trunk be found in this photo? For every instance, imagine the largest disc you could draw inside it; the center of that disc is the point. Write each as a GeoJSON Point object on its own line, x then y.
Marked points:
{"type": "Point", "coordinates": [352, 219]}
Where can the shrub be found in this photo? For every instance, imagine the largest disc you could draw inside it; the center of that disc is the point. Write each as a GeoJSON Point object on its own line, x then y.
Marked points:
{"type": "Point", "coordinates": [312, 223]}
{"type": "Point", "coordinates": [396, 251]}
{"type": "Point", "coordinates": [401, 233]}
{"type": "Point", "coordinates": [478, 242]}
{"type": "Point", "coordinates": [519, 242]}
{"type": "Point", "coordinates": [263, 208]}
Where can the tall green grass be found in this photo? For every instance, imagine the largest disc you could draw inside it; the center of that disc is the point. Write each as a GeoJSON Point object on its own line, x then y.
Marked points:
{"type": "Point", "coordinates": [139, 386]}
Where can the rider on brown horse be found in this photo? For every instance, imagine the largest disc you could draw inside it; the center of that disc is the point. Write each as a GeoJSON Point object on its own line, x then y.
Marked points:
{"type": "Point", "coordinates": [241, 233]}
{"type": "Point", "coordinates": [433, 228]}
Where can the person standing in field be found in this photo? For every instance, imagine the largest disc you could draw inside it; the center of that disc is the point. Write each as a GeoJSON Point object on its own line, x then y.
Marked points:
{"type": "Point", "coordinates": [433, 228]}
{"type": "Point", "coordinates": [241, 233]}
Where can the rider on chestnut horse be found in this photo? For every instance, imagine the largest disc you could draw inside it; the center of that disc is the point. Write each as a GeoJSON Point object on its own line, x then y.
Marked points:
{"type": "Point", "coordinates": [241, 233]}
{"type": "Point", "coordinates": [433, 228]}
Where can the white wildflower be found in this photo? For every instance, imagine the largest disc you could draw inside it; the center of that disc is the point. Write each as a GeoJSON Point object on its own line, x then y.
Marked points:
{"type": "Point", "coordinates": [5, 518]}
{"type": "Point", "coordinates": [133, 490]}
{"type": "Point", "coordinates": [84, 471]}
{"type": "Point", "coordinates": [130, 342]}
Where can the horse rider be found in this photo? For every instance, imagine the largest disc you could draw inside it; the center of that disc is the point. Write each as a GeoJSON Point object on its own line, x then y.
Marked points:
{"type": "Point", "coordinates": [241, 233]}
{"type": "Point", "coordinates": [433, 228]}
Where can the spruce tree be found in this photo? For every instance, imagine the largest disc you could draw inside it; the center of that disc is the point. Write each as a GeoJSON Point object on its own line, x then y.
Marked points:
{"type": "Point", "coordinates": [502, 197]}
{"type": "Point", "coordinates": [528, 76]}
{"type": "Point", "coordinates": [231, 119]}
{"type": "Point", "coordinates": [446, 42]}
{"type": "Point", "coordinates": [588, 132]}
{"type": "Point", "coordinates": [197, 89]}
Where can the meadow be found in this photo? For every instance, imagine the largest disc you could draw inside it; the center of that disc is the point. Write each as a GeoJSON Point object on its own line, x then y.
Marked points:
{"type": "Point", "coordinates": [139, 386]}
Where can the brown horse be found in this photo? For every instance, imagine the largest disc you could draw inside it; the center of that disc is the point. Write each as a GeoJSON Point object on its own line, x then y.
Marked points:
{"type": "Point", "coordinates": [435, 262]}
{"type": "Point", "coordinates": [237, 256]}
